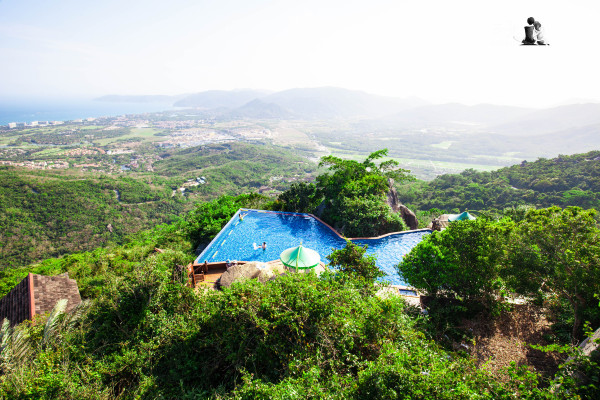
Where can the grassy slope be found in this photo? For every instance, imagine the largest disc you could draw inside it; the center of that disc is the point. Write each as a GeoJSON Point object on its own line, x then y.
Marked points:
{"type": "Point", "coordinates": [46, 215]}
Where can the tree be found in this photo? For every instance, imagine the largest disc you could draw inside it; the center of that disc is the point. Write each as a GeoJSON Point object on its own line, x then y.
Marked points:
{"type": "Point", "coordinates": [351, 178]}
{"type": "Point", "coordinates": [352, 260]}
{"type": "Point", "coordinates": [460, 261]}
{"type": "Point", "coordinates": [557, 252]}
{"type": "Point", "coordinates": [300, 197]}
{"type": "Point", "coordinates": [350, 183]}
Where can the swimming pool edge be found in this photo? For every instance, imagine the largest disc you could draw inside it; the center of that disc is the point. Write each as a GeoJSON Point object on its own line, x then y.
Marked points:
{"type": "Point", "coordinates": [304, 214]}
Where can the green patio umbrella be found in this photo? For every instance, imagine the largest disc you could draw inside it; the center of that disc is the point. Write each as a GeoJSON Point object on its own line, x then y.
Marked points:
{"type": "Point", "coordinates": [300, 258]}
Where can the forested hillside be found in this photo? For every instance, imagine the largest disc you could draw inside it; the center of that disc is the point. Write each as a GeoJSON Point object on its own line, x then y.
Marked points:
{"type": "Point", "coordinates": [231, 167]}
{"type": "Point", "coordinates": [563, 181]}
{"type": "Point", "coordinates": [49, 213]}
{"type": "Point", "coordinates": [45, 215]}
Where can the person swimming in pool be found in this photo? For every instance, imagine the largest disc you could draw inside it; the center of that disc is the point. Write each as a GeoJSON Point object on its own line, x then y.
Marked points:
{"type": "Point", "coordinates": [242, 216]}
{"type": "Point", "coordinates": [263, 246]}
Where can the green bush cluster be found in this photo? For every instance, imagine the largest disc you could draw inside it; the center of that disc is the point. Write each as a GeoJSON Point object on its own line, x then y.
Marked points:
{"type": "Point", "coordinates": [299, 336]}
{"type": "Point", "coordinates": [550, 253]}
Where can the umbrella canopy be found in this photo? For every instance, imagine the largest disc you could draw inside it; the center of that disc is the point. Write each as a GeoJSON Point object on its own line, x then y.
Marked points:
{"type": "Point", "coordinates": [461, 217]}
{"type": "Point", "coordinates": [300, 258]}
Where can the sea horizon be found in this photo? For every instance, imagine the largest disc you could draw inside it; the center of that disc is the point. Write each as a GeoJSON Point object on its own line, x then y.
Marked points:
{"type": "Point", "coordinates": [24, 110]}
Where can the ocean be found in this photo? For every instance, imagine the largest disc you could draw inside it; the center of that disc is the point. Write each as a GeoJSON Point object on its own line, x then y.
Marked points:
{"type": "Point", "coordinates": [64, 110]}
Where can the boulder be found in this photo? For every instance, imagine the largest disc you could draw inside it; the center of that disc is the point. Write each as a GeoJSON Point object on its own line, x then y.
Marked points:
{"type": "Point", "coordinates": [392, 197]}
{"type": "Point", "coordinates": [409, 217]}
{"type": "Point", "coordinates": [320, 209]}
{"type": "Point", "coordinates": [392, 200]}
{"type": "Point", "coordinates": [269, 271]}
{"type": "Point", "coordinates": [253, 270]}
{"type": "Point", "coordinates": [239, 273]}
{"type": "Point", "coordinates": [590, 344]}
{"type": "Point", "coordinates": [436, 225]}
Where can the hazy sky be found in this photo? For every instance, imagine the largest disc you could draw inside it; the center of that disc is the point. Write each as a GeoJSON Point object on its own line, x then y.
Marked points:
{"type": "Point", "coordinates": [441, 50]}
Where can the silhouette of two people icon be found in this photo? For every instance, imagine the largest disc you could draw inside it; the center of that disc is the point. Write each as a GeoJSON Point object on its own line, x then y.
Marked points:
{"type": "Point", "coordinates": [534, 34]}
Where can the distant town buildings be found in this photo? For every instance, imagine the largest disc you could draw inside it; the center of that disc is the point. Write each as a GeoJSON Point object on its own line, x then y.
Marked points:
{"type": "Point", "coordinates": [14, 125]}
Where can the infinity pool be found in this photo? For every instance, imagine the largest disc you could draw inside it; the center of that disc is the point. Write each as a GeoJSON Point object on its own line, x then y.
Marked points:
{"type": "Point", "coordinates": [284, 230]}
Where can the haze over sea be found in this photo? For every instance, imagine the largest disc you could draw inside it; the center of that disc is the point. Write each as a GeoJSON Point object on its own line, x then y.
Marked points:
{"type": "Point", "coordinates": [69, 109]}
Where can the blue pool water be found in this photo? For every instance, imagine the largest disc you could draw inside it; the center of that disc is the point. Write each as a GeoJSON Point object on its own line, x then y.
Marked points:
{"type": "Point", "coordinates": [284, 230]}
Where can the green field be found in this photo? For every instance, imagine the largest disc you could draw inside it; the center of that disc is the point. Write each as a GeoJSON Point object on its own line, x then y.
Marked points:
{"type": "Point", "coordinates": [143, 134]}
{"type": "Point", "coordinates": [423, 169]}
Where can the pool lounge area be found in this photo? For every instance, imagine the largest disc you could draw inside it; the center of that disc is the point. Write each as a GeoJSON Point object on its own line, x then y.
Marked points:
{"type": "Point", "coordinates": [241, 238]}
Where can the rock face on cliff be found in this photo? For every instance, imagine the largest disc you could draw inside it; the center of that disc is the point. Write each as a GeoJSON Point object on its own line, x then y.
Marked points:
{"type": "Point", "coordinates": [392, 197]}
{"type": "Point", "coordinates": [408, 216]}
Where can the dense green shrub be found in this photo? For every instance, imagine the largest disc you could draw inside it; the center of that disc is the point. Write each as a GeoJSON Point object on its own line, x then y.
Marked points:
{"type": "Point", "coordinates": [352, 260]}
{"type": "Point", "coordinates": [460, 261]}
{"type": "Point", "coordinates": [557, 252]}
{"type": "Point", "coordinates": [300, 197]}
{"type": "Point", "coordinates": [351, 196]}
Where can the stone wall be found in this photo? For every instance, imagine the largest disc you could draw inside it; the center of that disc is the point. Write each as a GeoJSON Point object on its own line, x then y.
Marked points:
{"type": "Point", "coordinates": [45, 291]}
{"type": "Point", "coordinates": [49, 289]}
{"type": "Point", "coordinates": [15, 305]}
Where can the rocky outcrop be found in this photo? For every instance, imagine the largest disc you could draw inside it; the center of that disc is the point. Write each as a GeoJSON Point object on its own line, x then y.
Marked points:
{"type": "Point", "coordinates": [252, 270]}
{"type": "Point", "coordinates": [392, 197]}
{"type": "Point", "coordinates": [320, 209]}
{"type": "Point", "coordinates": [590, 344]}
{"type": "Point", "coordinates": [239, 273]}
{"type": "Point", "coordinates": [408, 216]}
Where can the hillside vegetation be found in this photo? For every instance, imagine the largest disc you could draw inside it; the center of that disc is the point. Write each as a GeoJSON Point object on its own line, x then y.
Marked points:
{"type": "Point", "coordinates": [50, 213]}
{"type": "Point", "coordinates": [146, 335]}
{"type": "Point", "coordinates": [566, 180]}
{"type": "Point", "coordinates": [46, 215]}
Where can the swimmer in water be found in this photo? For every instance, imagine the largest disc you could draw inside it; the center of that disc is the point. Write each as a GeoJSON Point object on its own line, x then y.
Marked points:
{"type": "Point", "coordinates": [263, 246]}
{"type": "Point", "coordinates": [242, 216]}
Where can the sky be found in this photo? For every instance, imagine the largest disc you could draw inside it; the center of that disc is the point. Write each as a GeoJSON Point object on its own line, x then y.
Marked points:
{"type": "Point", "coordinates": [443, 51]}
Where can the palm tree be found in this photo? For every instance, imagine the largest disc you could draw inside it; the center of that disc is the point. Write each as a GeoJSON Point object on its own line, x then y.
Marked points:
{"type": "Point", "coordinates": [16, 345]}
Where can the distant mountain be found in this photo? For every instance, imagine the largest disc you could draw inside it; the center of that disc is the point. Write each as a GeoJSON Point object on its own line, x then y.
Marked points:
{"type": "Point", "coordinates": [551, 120]}
{"type": "Point", "coordinates": [258, 109]}
{"type": "Point", "coordinates": [379, 111]}
{"type": "Point", "coordinates": [455, 114]}
{"type": "Point", "coordinates": [567, 141]}
{"type": "Point", "coordinates": [330, 102]}
{"type": "Point", "coordinates": [116, 98]}
{"type": "Point", "coordinates": [220, 98]}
